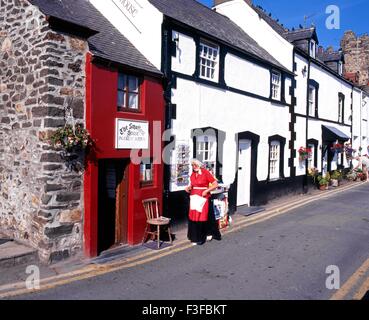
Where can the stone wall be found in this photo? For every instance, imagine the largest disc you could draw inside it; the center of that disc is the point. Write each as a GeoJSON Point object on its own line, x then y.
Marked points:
{"type": "Point", "coordinates": [356, 51]}
{"type": "Point", "coordinates": [42, 82]}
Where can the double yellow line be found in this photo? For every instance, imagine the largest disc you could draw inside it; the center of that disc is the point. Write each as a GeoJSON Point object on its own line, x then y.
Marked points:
{"type": "Point", "coordinates": [16, 289]}
{"type": "Point", "coordinates": [349, 285]}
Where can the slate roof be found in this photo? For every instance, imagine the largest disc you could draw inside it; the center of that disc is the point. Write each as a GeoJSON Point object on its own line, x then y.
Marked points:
{"type": "Point", "coordinates": [327, 56]}
{"type": "Point", "coordinates": [300, 34]}
{"type": "Point", "coordinates": [108, 43]}
{"type": "Point", "coordinates": [268, 19]}
{"type": "Point", "coordinates": [204, 19]}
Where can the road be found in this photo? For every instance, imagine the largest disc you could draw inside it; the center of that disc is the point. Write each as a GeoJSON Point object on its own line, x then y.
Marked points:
{"type": "Point", "coordinates": [285, 257]}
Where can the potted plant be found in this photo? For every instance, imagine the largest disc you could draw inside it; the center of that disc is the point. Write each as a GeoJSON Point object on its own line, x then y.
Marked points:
{"type": "Point", "coordinates": [314, 173]}
{"type": "Point", "coordinates": [335, 178]}
{"type": "Point", "coordinates": [323, 184]}
{"type": "Point", "coordinates": [360, 175]}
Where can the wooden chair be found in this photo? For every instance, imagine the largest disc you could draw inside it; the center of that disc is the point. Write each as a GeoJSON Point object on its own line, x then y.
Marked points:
{"type": "Point", "coordinates": [154, 218]}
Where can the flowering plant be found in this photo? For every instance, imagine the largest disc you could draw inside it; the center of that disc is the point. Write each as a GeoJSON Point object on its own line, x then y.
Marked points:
{"type": "Point", "coordinates": [349, 151]}
{"type": "Point", "coordinates": [314, 173]}
{"type": "Point", "coordinates": [304, 153]}
{"type": "Point", "coordinates": [337, 147]}
{"type": "Point", "coordinates": [70, 138]}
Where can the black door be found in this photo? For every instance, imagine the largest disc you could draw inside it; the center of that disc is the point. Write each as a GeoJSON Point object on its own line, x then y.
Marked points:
{"type": "Point", "coordinates": [112, 215]}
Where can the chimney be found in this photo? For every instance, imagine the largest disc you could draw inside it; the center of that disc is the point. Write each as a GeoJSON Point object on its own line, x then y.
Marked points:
{"type": "Point", "coordinates": [218, 2]}
{"type": "Point", "coordinates": [320, 50]}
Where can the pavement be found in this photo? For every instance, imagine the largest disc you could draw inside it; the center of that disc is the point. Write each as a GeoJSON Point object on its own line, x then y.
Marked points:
{"type": "Point", "coordinates": [12, 280]}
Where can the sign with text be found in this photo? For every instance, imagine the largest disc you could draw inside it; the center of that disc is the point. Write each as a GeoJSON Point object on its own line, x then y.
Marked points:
{"type": "Point", "coordinates": [130, 9]}
{"type": "Point", "coordinates": [132, 134]}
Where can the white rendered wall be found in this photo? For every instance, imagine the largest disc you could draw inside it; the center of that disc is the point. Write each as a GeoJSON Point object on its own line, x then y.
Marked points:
{"type": "Point", "coordinates": [288, 84]}
{"type": "Point", "coordinates": [315, 132]}
{"type": "Point", "coordinates": [300, 128]}
{"type": "Point", "coordinates": [185, 60]}
{"type": "Point", "coordinates": [329, 87]}
{"type": "Point", "coordinates": [133, 24]}
{"type": "Point", "coordinates": [246, 76]}
{"type": "Point", "coordinates": [248, 20]}
{"type": "Point", "coordinates": [301, 84]}
{"type": "Point", "coordinates": [232, 113]}
{"type": "Point", "coordinates": [357, 119]}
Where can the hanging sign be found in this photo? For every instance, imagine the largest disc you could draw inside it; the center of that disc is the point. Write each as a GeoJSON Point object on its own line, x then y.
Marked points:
{"type": "Point", "coordinates": [132, 134]}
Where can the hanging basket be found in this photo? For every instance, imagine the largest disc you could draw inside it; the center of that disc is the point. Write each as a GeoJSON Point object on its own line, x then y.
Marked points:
{"type": "Point", "coordinates": [71, 138]}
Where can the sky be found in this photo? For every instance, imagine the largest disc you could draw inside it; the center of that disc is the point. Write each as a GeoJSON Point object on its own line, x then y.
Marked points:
{"type": "Point", "coordinates": [353, 16]}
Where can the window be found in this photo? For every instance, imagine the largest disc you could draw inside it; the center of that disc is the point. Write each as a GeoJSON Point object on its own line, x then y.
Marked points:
{"type": "Point", "coordinates": [311, 156]}
{"type": "Point", "coordinates": [274, 171]}
{"type": "Point", "coordinates": [206, 147]}
{"type": "Point", "coordinates": [312, 102]}
{"type": "Point", "coordinates": [341, 101]}
{"type": "Point", "coordinates": [276, 85]}
{"type": "Point", "coordinates": [209, 61]}
{"type": "Point", "coordinates": [146, 172]}
{"type": "Point", "coordinates": [128, 93]}
{"type": "Point", "coordinates": [340, 68]}
{"type": "Point", "coordinates": [312, 49]}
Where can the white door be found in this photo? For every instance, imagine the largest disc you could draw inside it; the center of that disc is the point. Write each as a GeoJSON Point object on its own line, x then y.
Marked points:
{"type": "Point", "coordinates": [244, 173]}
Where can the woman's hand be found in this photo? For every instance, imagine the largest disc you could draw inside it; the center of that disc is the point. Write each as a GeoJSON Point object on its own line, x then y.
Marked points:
{"type": "Point", "coordinates": [188, 189]}
{"type": "Point", "coordinates": [205, 193]}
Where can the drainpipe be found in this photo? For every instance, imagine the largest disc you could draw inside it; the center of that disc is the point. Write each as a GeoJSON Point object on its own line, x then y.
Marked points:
{"type": "Point", "coordinates": [305, 182]}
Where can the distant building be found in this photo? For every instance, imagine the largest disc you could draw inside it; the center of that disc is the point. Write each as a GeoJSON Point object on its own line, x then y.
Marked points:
{"type": "Point", "coordinates": [356, 51]}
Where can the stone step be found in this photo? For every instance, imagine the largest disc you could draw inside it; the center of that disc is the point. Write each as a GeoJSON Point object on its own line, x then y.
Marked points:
{"type": "Point", "coordinates": [13, 253]}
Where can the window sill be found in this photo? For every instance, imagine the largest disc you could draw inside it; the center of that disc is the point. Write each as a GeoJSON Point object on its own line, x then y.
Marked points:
{"type": "Point", "coordinates": [126, 110]}
{"type": "Point", "coordinates": [145, 184]}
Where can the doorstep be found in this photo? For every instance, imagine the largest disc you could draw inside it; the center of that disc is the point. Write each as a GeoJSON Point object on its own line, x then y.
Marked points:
{"type": "Point", "coordinates": [13, 253]}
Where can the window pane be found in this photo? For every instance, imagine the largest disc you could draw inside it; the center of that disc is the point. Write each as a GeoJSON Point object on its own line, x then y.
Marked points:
{"type": "Point", "coordinates": [133, 84]}
{"type": "Point", "coordinates": [146, 171]}
{"type": "Point", "coordinates": [133, 100]}
{"type": "Point", "coordinates": [209, 61]}
{"type": "Point", "coordinates": [121, 98]}
{"type": "Point", "coordinates": [121, 81]}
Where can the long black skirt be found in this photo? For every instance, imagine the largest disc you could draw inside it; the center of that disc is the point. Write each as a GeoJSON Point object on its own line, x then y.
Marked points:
{"type": "Point", "coordinates": [197, 231]}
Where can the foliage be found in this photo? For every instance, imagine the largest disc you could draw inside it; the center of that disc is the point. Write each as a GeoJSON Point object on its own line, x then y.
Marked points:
{"type": "Point", "coordinates": [349, 151]}
{"type": "Point", "coordinates": [323, 182]}
{"type": "Point", "coordinates": [304, 153]}
{"type": "Point", "coordinates": [337, 147]}
{"type": "Point", "coordinates": [69, 138]}
{"type": "Point", "coordinates": [336, 175]}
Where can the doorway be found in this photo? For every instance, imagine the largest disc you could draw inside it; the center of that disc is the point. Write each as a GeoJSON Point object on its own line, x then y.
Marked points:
{"type": "Point", "coordinates": [113, 203]}
{"type": "Point", "coordinates": [244, 173]}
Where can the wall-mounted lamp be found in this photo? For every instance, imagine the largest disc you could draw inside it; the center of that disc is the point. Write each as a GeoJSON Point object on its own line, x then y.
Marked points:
{"type": "Point", "coordinates": [304, 71]}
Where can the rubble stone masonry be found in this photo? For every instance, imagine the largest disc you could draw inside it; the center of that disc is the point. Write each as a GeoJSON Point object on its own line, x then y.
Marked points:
{"type": "Point", "coordinates": [356, 51]}
{"type": "Point", "coordinates": [42, 82]}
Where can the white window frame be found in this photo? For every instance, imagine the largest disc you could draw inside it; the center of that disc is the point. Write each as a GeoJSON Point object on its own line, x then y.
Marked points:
{"type": "Point", "coordinates": [312, 49]}
{"type": "Point", "coordinates": [312, 100]}
{"type": "Point", "coordinates": [209, 61]}
{"type": "Point", "coordinates": [206, 150]}
{"type": "Point", "coordinates": [340, 68]}
{"type": "Point", "coordinates": [276, 79]}
{"type": "Point", "coordinates": [274, 162]}
{"type": "Point", "coordinates": [340, 109]}
{"type": "Point", "coordinates": [311, 158]}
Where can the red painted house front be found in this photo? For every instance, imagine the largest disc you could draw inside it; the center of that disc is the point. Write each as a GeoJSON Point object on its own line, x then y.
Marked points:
{"type": "Point", "coordinates": [114, 186]}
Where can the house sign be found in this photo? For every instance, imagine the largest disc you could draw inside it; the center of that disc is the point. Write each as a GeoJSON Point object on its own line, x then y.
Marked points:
{"type": "Point", "coordinates": [132, 134]}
